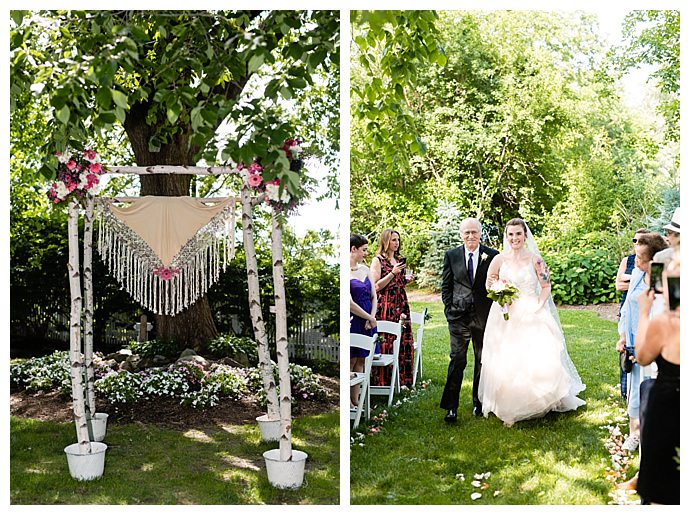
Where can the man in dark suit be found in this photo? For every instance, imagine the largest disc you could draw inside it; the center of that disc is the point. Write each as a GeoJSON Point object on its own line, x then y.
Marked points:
{"type": "Point", "coordinates": [463, 292]}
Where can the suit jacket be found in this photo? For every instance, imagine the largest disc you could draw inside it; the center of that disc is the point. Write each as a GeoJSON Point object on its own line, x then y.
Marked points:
{"type": "Point", "coordinates": [458, 294]}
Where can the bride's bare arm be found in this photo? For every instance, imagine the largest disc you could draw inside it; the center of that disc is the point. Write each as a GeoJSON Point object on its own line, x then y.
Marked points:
{"type": "Point", "coordinates": [492, 273]}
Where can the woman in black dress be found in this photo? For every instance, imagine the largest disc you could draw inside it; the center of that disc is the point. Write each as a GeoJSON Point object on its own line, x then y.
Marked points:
{"type": "Point", "coordinates": [658, 340]}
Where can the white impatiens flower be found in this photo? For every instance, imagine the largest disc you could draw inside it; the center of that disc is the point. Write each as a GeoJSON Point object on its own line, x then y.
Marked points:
{"type": "Point", "coordinates": [476, 484]}
{"type": "Point", "coordinates": [475, 496]}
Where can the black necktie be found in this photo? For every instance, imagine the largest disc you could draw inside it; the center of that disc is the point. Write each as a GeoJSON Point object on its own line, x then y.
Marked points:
{"type": "Point", "coordinates": [470, 268]}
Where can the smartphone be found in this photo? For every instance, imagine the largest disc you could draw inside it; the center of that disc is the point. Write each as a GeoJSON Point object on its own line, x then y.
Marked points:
{"type": "Point", "coordinates": [656, 282]}
{"type": "Point", "coordinates": [673, 284]}
{"type": "Point", "coordinates": [402, 260]}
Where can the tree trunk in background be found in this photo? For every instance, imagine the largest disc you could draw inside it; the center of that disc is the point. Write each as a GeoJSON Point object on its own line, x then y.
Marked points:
{"type": "Point", "coordinates": [194, 327]}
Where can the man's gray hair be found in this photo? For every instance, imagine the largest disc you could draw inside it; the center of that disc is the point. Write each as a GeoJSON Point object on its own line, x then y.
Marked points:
{"type": "Point", "coordinates": [473, 221]}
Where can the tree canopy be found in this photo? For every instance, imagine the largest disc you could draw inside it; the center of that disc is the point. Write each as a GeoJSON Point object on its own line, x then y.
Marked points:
{"type": "Point", "coordinates": [524, 119]}
{"type": "Point", "coordinates": [175, 88]}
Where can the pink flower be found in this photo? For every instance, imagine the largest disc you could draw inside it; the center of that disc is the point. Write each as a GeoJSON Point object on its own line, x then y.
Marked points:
{"type": "Point", "coordinates": [275, 182]}
{"type": "Point", "coordinates": [255, 180]}
{"type": "Point", "coordinates": [90, 155]}
{"type": "Point", "coordinates": [166, 274]}
{"type": "Point", "coordinates": [71, 164]}
{"type": "Point", "coordinates": [256, 168]}
{"type": "Point", "coordinates": [96, 168]}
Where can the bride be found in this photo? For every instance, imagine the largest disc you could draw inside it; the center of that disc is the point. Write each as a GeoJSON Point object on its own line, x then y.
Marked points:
{"type": "Point", "coordinates": [526, 370]}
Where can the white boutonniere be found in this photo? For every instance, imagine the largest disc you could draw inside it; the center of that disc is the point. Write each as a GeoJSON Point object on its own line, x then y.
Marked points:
{"type": "Point", "coordinates": [483, 256]}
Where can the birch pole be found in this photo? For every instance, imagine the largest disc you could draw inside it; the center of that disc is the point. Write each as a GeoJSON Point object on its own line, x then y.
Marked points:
{"type": "Point", "coordinates": [281, 339]}
{"type": "Point", "coordinates": [255, 306]}
{"type": "Point", "coordinates": [76, 358]}
{"type": "Point", "coordinates": [88, 308]}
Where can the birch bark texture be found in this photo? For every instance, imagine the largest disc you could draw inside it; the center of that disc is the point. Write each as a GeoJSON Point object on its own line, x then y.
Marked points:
{"type": "Point", "coordinates": [281, 339]}
{"type": "Point", "coordinates": [76, 357]}
{"type": "Point", "coordinates": [265, 365]}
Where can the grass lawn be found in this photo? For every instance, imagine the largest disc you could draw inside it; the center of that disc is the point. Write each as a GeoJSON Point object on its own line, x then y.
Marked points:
{"type": "Point", "coordinates": [417, 458]}
{"type": "Point", "coordinates": [148, 465]}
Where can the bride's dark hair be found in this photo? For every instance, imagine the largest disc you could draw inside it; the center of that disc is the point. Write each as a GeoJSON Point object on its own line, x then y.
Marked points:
{"type": "Point", "coordinates": [517, 221]}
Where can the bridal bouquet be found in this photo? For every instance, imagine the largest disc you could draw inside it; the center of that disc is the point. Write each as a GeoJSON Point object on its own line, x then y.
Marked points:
{"type": "Point", "coordinates": [504, 293]}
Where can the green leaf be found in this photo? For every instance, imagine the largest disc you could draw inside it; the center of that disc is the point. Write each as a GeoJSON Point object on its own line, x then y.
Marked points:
{"type": "Point", "coordinates": [63, 114]}
{"type": "Point", "coordinates": [119, 98]}
{"type": "Point", "coordinates": [255, 63]}
{"type": "Point", "coordinates": [197, 118]}
{"type": "Point", "coordinates": [103, 97]}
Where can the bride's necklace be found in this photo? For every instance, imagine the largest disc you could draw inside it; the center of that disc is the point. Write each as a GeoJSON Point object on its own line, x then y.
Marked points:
{"type": "Point", "coordinates": [354, 268]}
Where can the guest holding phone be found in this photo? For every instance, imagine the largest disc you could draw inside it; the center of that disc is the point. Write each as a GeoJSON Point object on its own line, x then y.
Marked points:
{"type": "Point", "coordinates": [658, 340]}
{"type": "Point", "coordinates": [646, 247]}
{"type": "Point", "coordinates": [388, 271]}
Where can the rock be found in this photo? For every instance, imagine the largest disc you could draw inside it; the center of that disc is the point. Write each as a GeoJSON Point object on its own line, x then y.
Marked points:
{"type": "Point", "coordinates": [232, 363]}
{"type": "Point", "coordinates": [119, 356]}
{"type": "Point", "coordinates": [130, 364]}
{"type": "Point", "coordinates": [159, 360]}
{"type": "Point", "coordinates": [188, 352]}
{"type": "Point", "coordinates": [193, 358]}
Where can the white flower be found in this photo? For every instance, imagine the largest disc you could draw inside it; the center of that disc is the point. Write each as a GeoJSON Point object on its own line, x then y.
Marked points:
{"type": "Point", "coordinates": [295, 150]}
{"type": "Point", "coordinates": [483, 256]}
{"type": "Point", "coordinates": [476, 484]}
{"type": "Point", "coordinates": [61, 189]}
{"type": "Point", "coordinates": [273, 192]}
{"type": "Point", "coordinates": [475, 496]}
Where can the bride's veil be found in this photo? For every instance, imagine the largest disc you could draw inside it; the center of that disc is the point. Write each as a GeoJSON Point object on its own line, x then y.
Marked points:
{"type": "Point", "coordinates": [531, 245]}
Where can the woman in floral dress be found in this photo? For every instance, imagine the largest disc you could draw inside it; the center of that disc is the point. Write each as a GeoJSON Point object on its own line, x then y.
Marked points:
{"type": "Point", "coordinates": [388, 271]}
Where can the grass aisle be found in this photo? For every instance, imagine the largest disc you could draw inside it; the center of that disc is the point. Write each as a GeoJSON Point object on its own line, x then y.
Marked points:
{"type": "Point", "coordinates": [417, 458]}
{"type": "Point", "coordinates": [148, 465]}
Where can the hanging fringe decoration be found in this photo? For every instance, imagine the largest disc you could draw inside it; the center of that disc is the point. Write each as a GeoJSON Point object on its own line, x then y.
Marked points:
{"type": "Point", "coordinates": [166, 251]}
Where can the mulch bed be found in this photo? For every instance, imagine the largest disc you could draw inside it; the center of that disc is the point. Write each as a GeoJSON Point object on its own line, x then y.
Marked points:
{"type": "Point", "coordinates": [166, 412]}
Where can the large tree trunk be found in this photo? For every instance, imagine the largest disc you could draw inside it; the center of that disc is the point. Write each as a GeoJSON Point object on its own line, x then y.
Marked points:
{"type": "Point", "coordinates": [194, 327]}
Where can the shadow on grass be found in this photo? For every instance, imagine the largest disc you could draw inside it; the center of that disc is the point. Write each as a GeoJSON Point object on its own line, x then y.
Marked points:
{"type": "Point", "coordinates": [149, 465]}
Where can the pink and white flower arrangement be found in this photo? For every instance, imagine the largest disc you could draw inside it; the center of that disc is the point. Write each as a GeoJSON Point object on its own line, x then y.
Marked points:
{"type": "Point", "coordinates": [279, 199]}
{"type": "Point", "coordinates": [77, 173]}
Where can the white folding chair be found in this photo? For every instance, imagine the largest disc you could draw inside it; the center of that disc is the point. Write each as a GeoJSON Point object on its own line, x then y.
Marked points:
{"type": "Point", "coordinates": [418, 319]}
{"type": "Point", "coordinates": [384, 360]}
{"type": "Point", "coordinates": [362, 341]}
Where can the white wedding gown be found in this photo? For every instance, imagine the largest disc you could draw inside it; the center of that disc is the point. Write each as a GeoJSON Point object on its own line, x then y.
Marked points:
{"type": "Point", "coordinates": [526, 370]}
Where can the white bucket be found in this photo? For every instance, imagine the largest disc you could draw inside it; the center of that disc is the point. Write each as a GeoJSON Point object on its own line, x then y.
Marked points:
{"type": "Point", "coordinates": [86, 466]}
{"type": "Point", "coordinates": [99, 422]}
{"type": "Point", "coordinates": [285, 474]}
{"type": "Point", "coordinates": [270, 429]}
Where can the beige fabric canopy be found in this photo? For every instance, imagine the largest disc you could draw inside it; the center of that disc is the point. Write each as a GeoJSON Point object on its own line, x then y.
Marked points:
{"type": "Point", "coordinates": [167, 251]}
{"type": "Point", "coordinates": [168, 223]}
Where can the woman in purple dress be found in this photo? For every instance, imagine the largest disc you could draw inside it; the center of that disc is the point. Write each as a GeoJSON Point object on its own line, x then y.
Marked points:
{"type": "Point", "coordinates": [362, 305]}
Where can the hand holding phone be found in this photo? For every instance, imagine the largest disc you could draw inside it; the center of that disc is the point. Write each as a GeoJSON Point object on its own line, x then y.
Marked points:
{"type": "Point", "coordinates": [655, 277]}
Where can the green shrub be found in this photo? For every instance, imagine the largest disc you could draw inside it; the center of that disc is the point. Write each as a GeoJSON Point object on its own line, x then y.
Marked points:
{"type": "Point", "coordinates": [585, 276]}
{"type": "Point", "coordinates": [151, 348]}
{"type": "Point", "coordinates": [230, 345]}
